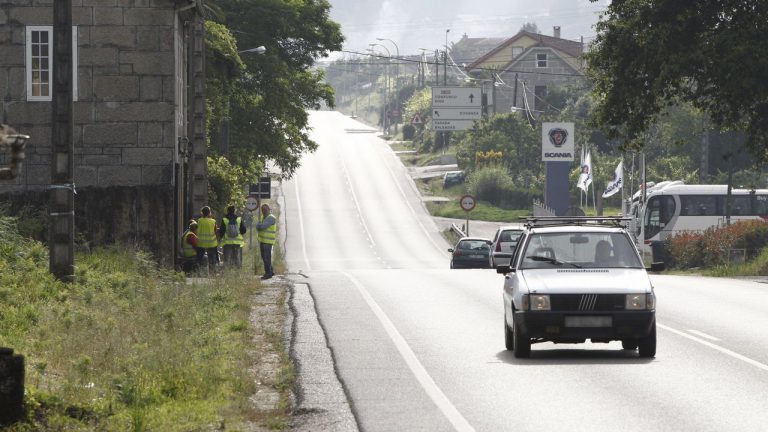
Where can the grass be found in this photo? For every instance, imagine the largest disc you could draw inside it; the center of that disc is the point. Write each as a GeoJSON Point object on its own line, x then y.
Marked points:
{"type": "Point", "coordinates": [129, 345]}
{"type": "Point", "coordinates": [483, 212]}
{"type": "Point", "coordinates": [756, 267]}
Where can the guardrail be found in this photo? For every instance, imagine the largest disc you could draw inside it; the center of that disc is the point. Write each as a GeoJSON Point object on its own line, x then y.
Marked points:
{"type": "Point", "coordinates": [455, 228]}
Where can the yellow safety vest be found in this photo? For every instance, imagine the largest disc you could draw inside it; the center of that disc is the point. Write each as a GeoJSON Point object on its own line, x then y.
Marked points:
{"type": "Point", "coordinates": [187, 250]}
{"type": "Point", "coordinates": [268, 235]}
{"type": "Point", "coordinates": [206, 233]}
{"type": "Point", "coordinates": [227, 240]}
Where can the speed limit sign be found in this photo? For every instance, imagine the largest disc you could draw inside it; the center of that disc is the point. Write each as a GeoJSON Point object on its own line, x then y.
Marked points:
{"type": "Point", "coordinates": [467, 202]}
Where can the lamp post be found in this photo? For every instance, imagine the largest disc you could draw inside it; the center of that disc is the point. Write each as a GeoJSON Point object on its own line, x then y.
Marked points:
{"type": "Point", "coordinates": [385, 122]}
{"type": "Point", "coordinates": [397, 75]}
{"type": "Point", "coordinates": [258, 50]}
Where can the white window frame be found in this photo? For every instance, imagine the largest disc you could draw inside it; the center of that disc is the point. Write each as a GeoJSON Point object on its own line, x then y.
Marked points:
{"type": "Point", "coordinates": [28, 72]}
{"type": "Point", "coordinates": [545, 60]}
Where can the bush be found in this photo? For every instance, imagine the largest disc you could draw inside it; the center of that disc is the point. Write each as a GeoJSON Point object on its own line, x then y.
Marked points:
{"type": "Point", "coordinates": [494, 185]}
{"type": "Point", "coordinates": [409, 131]}
{"type": "Point", "coordinates": [711, 247]}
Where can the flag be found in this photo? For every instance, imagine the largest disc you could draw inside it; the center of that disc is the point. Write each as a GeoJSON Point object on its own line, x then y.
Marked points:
{"type": "Point", "coordinates": [617, 182]}
{"type": "Point", "coordinates": [585, 178]}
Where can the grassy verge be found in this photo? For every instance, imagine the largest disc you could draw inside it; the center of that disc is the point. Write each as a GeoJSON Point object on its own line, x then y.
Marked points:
{"type": "Point", "coordinates": [128, 345]}
{"type": "Point", "coordinates": [483, 212]}
{"type": "Point", "coordinates": [756, 267]}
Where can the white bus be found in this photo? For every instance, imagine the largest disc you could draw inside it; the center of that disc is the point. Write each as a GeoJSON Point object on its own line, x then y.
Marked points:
{"type": "Point", "coordinates": [673, 206]}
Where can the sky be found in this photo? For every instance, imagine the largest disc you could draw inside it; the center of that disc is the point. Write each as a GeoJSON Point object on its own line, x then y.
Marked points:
{"type": "Point", "coordinates": [414, 24]}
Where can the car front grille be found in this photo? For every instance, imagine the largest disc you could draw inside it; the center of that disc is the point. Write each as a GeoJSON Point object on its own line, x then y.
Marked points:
{"type": "Point", "coordinates": [587, 302]}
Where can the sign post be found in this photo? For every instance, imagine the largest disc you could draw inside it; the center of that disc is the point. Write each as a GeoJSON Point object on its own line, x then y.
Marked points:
{"type": "Point", "coordinates": [467, 204]}
{"type": "Point", "coordinates": [251, 204]}
{"type": "Point", "coordinates": [557, 152]}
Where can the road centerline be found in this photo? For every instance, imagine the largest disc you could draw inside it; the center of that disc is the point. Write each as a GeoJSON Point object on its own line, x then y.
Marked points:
{"type": "Point", "coordinates": [422, 376]}
{"type": "Point", "coordinates": [723, 350]}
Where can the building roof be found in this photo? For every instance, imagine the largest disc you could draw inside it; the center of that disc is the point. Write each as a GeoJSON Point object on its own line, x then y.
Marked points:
{"type": "Point", "coordinates": [571, 48]}
{"type": "Point", "coordinates": [469, 49]}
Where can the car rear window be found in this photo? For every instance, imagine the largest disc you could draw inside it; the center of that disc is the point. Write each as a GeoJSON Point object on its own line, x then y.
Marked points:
{"type": "Point", "coordinates": [473, 245]}
{"type": "Point", "coordinates": [510, 236]}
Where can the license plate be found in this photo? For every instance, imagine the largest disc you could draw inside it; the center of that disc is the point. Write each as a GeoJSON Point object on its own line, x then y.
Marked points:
{"type": "Point", "coordinates": [588, 321]}
{"type": "Point", "coordinates": [475, 256]}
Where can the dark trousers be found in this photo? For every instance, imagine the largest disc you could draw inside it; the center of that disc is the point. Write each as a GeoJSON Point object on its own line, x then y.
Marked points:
{"type": "Point", "coordinates": [266, 257]}
{"type": "Point", "coordinates": [233, 255]}
{"type": "Point", "coordinates": [213, 256]}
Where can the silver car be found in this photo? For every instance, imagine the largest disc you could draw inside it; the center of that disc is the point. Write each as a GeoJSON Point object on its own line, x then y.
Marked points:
{"type": "Point", "coordinates": [504, 243]}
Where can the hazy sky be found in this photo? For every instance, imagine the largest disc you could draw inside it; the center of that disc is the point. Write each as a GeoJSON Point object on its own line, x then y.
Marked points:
{"type": "Point", "coordinates": [415, 24]}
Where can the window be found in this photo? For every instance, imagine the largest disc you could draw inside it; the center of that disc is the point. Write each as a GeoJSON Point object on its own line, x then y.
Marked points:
{"type": "Point", "coordinates": [541, 60]}
{"type": "Point", "coordinates": [39, 60]}
{"type": "Point", "coordinates": [658, 213]}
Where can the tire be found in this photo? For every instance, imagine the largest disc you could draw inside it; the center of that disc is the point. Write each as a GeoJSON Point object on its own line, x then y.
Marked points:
{"type": "Point", "coordinates": [509, 339]}
{"type": "Point", "coordinates": [522, 344]}
{"type": "Point", "coordinates": [629, 344]}
{"type": "Point", "coordinates": [647, 345]}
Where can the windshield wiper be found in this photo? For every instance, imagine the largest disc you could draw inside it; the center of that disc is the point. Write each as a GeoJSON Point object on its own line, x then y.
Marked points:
{"type": "Point", "coordinates": [551, 260]}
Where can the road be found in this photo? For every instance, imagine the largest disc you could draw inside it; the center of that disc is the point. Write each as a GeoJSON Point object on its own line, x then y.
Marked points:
{"type": "Point", "coordinates": [420, 347]}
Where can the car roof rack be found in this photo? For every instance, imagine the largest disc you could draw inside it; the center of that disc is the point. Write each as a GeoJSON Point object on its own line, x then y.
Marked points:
{"type": "Point", "coordinates": [613, 221]}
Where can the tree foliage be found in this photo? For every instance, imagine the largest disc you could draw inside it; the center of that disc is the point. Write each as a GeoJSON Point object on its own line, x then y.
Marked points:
{"type": "Point", "coordinates": [650, 54]}
{"type": "Point", "coordinates": [269, 100]}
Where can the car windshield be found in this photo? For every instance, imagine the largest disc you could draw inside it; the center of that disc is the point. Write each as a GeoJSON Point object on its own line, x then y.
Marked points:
{"type": "Point", "coordinates": [580, 250]}
{"type": "Point", "coordinates": [473, 245]}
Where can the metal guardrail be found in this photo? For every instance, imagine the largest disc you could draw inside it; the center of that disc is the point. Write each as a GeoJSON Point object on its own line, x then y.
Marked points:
{"type": "Point", "coordinates": [455, 228]}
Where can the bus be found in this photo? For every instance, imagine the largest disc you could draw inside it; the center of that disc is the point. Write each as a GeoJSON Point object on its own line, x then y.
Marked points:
{"type": "Point", "coordinates": [672, 206]}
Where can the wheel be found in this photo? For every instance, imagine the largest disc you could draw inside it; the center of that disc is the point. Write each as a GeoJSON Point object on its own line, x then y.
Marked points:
{"type": "Point", "coordinates": [628, 344]}
{"type": "Point", "coordinates": [509, 340]}
{"type": "Point", "coordinates": [451, 264]}
{"type": "Point", "coordinates": [647, 345]}
{"type": "Point", "coordinates": [522, 344]}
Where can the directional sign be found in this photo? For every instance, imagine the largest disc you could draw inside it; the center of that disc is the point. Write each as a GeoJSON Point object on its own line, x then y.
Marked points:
{"type": "Point", "coordinates": [456, 113]}
{"type": "Point", "coordinates": [456, 97]}
{"type": "Point", "coordinates": [262, 189]}
{"type": "Point", "coordinates": [451, 125]}
{"type": "Point", "coordinates": [467, 202]}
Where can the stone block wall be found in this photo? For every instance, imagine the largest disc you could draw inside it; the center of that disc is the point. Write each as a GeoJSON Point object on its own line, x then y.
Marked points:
{"type": "Point", "coordinates": [125, 110]}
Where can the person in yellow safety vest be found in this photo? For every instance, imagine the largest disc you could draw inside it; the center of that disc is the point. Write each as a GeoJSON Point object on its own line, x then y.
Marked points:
{"type": "Point", "coordinates": [231, 230]}
{"type": "Point", "coordinates": [267, 229]}
{"type": "Point", "coordinates": [190, 261]}
{"type": "Point", "coordinates": [207, 242]}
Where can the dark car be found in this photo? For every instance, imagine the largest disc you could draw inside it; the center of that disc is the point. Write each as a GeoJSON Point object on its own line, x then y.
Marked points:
{"type": "Point", "coordinates": [452, 178]}
{"type": "Point", "coordinates": [470, 252]}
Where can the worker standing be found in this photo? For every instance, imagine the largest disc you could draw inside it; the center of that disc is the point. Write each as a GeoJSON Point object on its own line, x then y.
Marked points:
{"type": "Point", "coordinates": [207, 242]}
{"type": "Point", "coordinates": [267, 229]}
{"type": "Point", "coordinates": [231, 232]}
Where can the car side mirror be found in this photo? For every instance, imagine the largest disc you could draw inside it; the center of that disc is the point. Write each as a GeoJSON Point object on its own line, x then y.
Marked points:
{"type": "Point", "coordinates": [657, 267]}
{"type": "Point", "coordinates": [488, 242]}
{"type": "Point", "coordinates": [504, 269]}
{"type": "Point", "coordinates": [450, 250]}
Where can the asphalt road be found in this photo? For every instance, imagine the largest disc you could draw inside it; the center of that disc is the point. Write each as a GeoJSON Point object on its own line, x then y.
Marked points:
{"type": "Point", "coordinates": [419, 347]}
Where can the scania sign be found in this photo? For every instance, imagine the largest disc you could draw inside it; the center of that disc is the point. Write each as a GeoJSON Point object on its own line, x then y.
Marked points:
{"type": "Point", "coordinates": [557, 142]}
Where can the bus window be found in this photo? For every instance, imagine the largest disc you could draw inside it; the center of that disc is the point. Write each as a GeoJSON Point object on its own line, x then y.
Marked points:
{"type": "Point", "coordinates": [760, 205]}
{"type": "Point", "coordinates": [698, 205]}
{"type": "Point", "coordinates": [658, 213]}
{"type": "Point", "coordinates": [740, 205]}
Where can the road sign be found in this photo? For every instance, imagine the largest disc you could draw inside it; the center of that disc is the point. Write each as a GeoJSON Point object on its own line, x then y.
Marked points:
{"type": "Point", "coordinates": [263, 189]}
{"type": "Point", "coordinates": [471, 97]}
{"type": "Point", "coordinates": [252, 203]}
{"type": "Point", "coordinates": [416, 120]}
{"type": "Point", "coordinates": [451, 125]}
{"type": "Point", "coordinates": [557, 142]}
{"type": "Point", "coordinates": [456, 113]}
{"type": "Point", "coordinates": [467, 202]}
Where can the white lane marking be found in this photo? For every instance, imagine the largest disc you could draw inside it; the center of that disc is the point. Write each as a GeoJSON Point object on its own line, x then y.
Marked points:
{"type": "Point", "coordinates": [405, 198]}
{"type": "Point", "coordinates": [427, 383]}
{"type": "Point", "coordinates": [301, 223]}
{"type": "Point", "coordinates": [354, 198]}
{"type": "Point", "coordinates": [726, 351]}
{"type": "Point", "coordinates": [702, 334]}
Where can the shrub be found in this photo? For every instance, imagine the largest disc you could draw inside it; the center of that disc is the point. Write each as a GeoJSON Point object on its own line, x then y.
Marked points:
{"type": "Point", "coordinates": [711, 247]}
{"type": "Point", "coordinates": [409, 131]}
{"type": "Point", "coordinates": [494, 185]}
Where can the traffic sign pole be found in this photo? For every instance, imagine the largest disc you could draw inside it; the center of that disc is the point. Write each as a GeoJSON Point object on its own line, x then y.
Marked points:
{"type": "Point", "coordinates": [467, 203]}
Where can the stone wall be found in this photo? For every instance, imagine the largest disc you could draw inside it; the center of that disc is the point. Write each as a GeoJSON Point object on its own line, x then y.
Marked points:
{"type": "Point", "coordinates": [116, 215]}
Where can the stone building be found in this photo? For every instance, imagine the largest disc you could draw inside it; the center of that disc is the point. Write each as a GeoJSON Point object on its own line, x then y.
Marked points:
{"type": "Point", "coordinates": [139, 126]}
{"type": "Point", "coordinates": [536, 63]}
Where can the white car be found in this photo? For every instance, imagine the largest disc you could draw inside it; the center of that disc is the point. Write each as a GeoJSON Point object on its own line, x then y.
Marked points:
{"type": "Point", "coordinates": [504, 243]}
{"type": "Point", "coordinates": [573, 279]}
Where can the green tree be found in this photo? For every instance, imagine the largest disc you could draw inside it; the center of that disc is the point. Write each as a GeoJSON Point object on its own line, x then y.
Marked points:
{"type": "Point", "coordinates": [650, 54]}
{"type": "Point", "coordinates": [269, 117]}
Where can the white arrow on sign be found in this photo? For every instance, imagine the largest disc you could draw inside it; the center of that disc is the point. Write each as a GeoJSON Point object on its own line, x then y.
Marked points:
{"type": "Point", "coordinates": [456, 97]}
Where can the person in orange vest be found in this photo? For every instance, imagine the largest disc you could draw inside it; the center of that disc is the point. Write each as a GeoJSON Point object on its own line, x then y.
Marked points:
{"type": "Point", "coordinates": [207, 238]}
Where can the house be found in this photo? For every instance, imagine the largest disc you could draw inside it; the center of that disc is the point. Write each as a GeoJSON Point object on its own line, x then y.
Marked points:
{"type": "Point", "coordinates": [528, 64]}
{"type": "Point", "coordinates": [468, 50]}
{"type": "Point", "coordinates": [139, 125]}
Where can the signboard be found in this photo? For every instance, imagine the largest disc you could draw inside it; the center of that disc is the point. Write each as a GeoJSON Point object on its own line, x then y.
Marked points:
{"type": "Point", "coordinates": [416, 120]}
{"type": "Point", "coordinates": [467, 203]}
{"type": "Point", "coordinates": [456, 108]}
{"type": "Point", "coordinates": [456, 114]}
{"type": "Point", "coordinates": [263, 189]}
{"type": "Point", "coordinates": [251, 203]}
{"type": "Point", "coordinates": [557, 142]}
{"type": "Point", "coordinates": [471, 97]}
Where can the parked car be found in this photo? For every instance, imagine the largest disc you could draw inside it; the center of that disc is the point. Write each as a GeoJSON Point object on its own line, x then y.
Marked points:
{"type": "Point", "coordinates": [470, 252]}
{"type": "Point", "coordinates": [574, 279]}
{"type": "Point", "coordinates": [453, 178]}
{"type": "Point", "coordinates": [504, 243]}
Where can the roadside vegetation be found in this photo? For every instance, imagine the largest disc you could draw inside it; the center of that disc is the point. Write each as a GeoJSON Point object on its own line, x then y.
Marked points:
{"type": "Point", "coordinates": [132, 346]}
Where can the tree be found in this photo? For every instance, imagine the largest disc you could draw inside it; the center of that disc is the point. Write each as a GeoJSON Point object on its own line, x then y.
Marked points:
{"type": "Point", "coordinates": [651, 54]}
{"type": "Point", "coordinates": [269, 118]}
{"type": "Point", "coordinates": [530, 27]}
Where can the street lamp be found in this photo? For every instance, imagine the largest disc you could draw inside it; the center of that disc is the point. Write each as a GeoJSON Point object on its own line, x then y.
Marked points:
{"type": "Point", "coordinates": [397, 75]}
{"type": "Point", "coordinates": [385, 122]}
{"type": "Point", "coordinates": [257, 50]}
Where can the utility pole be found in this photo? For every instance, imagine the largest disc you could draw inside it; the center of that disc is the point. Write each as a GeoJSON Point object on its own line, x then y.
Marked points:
{"type": "Point", "coordinates": [514, 97]}
{"type": "Point", "coordinates": [62, 194]}
{"type": "Point", "coordinates": [437, 67]}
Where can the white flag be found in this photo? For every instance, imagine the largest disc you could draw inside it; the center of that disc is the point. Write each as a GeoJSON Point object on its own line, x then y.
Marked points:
{"type": "Point", "coordinates": [617, 182]}
{"type": "Point", "coordinates": [585, 178]}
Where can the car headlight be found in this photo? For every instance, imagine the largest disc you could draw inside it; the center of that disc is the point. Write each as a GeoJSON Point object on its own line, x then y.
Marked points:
{"type": "Point", "coordinates": [636, 302]}
{"type": "Point", "coordinates": [540, 302]}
